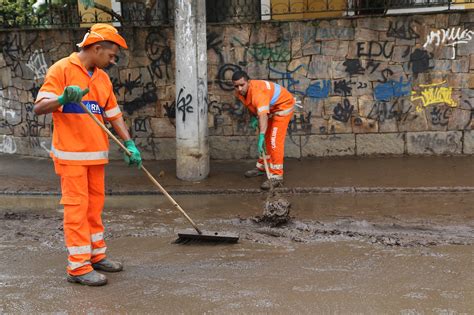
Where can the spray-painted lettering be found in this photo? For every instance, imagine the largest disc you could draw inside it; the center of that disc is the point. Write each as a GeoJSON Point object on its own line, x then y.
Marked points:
{"type": "Point", "coordinates": [431, 94]}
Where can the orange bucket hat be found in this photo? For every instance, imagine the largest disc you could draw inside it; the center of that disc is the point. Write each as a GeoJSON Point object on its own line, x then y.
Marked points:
{"type": "Point", "coordinates": [102, 32]}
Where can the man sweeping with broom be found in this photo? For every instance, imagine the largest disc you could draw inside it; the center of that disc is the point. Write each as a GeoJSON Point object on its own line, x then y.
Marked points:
{"type": "Point", "coordinates": [272, 107]}
{"type": "Point", "coordinates": [80, 147]}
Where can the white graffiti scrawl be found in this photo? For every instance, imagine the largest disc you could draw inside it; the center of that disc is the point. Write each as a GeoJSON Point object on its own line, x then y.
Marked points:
{"type": "Point", "coordinates": [8, 145]}
{"type": "Point", "coordinates": [450, 37]}
{"type": "Point", "coordinates": [6, 112]}
{"type": "Point", "coordinates": [37, 64]}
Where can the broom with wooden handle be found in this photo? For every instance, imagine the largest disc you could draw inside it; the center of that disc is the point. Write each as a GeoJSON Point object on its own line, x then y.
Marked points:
{"type": "Point", "coordinates": [184, 236]}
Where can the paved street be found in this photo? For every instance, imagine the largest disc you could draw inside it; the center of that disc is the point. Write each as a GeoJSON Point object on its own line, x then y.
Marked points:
{"type": "Point", "coordinates": [343, 252]}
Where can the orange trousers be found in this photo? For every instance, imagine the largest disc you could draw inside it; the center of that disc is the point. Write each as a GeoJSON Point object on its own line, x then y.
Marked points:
{"type": "Point", "coordinates": [83, 195]}
{"type": "Point", "coordinates": [275, 145]}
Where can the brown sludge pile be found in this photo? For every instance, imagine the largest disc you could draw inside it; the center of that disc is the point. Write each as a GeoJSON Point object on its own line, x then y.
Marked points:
{"type": "Point", "coordinates": [276, 211]}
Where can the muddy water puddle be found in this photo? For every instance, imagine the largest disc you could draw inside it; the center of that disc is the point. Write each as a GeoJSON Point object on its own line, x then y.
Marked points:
{"type": "Point", "coordinates": [403, 253]}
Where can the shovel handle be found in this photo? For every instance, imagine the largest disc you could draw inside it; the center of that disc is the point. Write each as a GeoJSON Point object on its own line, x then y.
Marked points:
{"type": "Point", "coordinates": [157, 184]}
{"type": "Point", "coordinates": [267, 170]}
{"type": "Point", "coordinates": [265, 163]}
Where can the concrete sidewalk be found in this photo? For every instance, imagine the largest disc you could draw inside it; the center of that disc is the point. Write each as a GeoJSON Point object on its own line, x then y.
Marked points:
{"type": "Point", "coordinates": [25, 175]}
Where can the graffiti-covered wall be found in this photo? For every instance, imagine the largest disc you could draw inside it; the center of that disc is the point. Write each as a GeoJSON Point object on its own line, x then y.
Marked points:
{"type": "Point", "coordinates": [392, 85]}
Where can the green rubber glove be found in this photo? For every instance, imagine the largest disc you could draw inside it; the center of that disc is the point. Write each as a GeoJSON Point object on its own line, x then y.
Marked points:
{"type": "Point", "coordinates": [135, 158]}
{"type": "Point", "coordinates": [72, 94]}
{"type": "Point", "coordinates": [253, 124]}
{"type": "Point", "coordinates": [261, 143]}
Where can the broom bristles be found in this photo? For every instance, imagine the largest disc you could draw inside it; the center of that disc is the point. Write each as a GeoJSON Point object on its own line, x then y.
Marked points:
{"type": "Point", "coordinates": [187, 236]}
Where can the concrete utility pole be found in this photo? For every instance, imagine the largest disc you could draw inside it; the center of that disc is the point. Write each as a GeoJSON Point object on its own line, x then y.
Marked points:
{"type": "Point", "coordinates": [192, 146]}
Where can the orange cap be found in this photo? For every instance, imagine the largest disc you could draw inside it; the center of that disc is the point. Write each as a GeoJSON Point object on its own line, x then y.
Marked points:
{"type": "Point", "coordinates": [101, 32]}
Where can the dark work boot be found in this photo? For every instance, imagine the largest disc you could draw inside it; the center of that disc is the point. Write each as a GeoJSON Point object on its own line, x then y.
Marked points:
{"type": "Point", "coordinates": [275, 182]}
{"type": "Point", "coordinates": [108, 265]}
{"type": "Point", "coordinates": [253, 173]}
{"type": "Point", "coordinates": [92, 278]}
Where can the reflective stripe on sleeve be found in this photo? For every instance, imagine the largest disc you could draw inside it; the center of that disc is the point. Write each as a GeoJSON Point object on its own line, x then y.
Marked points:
{"type": "Point", "coordinates": [79, 156]}
{"type": "Point", "coordinates": [74, 265]}
{"type": "Point", "coordinates": [97, 251]}
{"type": "Point", "coordinates": [97, 237]}
{"type": "Point", "coordinates": [45, 95]}
{"type": "Point", "coordinates": [79, 250]}
{"type": "Point", "coordinates": [112, 112]}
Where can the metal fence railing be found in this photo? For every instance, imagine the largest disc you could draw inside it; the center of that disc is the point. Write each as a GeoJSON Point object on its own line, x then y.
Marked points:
{"type": "Point", "coordinates": [68, 13]}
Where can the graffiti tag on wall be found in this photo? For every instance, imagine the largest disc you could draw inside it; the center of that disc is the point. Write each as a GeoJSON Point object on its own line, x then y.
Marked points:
{"type": "Point", "coordinates": [431, 94]}
{"type": "Point", "coordinates": [450, 37]}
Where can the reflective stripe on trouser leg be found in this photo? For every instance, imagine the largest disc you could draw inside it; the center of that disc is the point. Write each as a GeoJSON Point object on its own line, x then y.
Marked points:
{"type": "Point", "coordinates": [275, 143]}
{"type": "Point", "coordinates": [96, 181]}
{"type": "Point", "coordinates": [260, 165]}
{"type": "Point", "coordinates": [81, 253]}
{"type": "Point", "coordinates": [74, 189]}
{"type": "Point", "coordinates": [74, 266]}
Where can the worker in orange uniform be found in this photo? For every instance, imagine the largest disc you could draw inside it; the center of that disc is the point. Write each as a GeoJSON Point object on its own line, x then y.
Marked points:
{"type": "Point", "coordinates": [80, 147]}
{"type": "Point", "coordinates": [274, 106]}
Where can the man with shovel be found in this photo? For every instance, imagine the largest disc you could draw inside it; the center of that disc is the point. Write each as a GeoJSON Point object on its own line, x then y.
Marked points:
{"type": "Point", "coordinates": [271, 107]}
{"type": "Point", "coordinates": [80, 147]}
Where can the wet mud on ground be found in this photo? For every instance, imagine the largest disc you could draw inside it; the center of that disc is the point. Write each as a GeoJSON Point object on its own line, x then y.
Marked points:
{"type": "Point", "coordinates": [374, 253]}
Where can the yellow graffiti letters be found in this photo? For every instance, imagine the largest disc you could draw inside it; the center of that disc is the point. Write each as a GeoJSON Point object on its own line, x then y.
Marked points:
{"type": "Point", "coordinates": [431, 94]}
